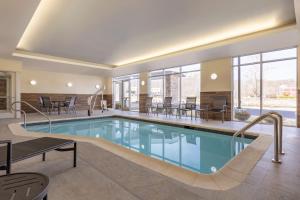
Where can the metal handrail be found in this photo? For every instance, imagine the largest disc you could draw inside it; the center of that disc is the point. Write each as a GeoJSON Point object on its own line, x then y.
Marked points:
{"type": "Point", "coordinates": [93, 104]}
{"type": "Point", "coordinates": [280, 124]}
{"type": "Point", "coordinates": [277, 118]}
{"type": "Point", "coordinates": [24, 113]}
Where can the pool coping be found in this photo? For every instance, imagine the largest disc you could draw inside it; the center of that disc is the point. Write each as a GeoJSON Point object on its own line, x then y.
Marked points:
{"type": "Point", "coordinates": [232, 174]}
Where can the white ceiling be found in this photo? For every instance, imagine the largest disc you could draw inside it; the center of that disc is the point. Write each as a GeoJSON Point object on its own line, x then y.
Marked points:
{"type": "Point", "coordinates": [113, 32]}
{"type": "Point", "coordinates": [14, 17]}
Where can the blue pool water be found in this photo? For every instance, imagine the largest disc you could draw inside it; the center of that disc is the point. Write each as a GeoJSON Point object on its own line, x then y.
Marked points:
{"type": "Point", "coordinates": [196, 150]}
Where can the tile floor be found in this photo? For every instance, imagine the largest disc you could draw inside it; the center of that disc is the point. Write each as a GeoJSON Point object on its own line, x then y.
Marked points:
{"type": "Point", "coordinates": [103, 175]}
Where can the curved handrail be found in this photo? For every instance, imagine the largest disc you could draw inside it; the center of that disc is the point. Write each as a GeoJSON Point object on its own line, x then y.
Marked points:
{"type": "Point", "coordinates": [280, 124]}
{"type": "Point", "coordinates": [93, 104]}
{"type": "Point", "coordinates": [276, 117]}
{"type": "Point", "coordinates": [34, 108]}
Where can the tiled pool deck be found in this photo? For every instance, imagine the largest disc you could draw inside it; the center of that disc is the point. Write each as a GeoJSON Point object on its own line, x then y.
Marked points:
{"type": "Point", "coordinates": [106, 175]}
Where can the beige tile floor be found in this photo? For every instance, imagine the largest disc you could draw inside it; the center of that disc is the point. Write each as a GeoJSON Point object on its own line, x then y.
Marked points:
{"type": "Point", "coordinates": [103, 175]}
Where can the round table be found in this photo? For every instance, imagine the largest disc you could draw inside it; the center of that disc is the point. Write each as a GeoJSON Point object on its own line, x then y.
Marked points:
{"type": "Point", "coordinates": [24, 186]}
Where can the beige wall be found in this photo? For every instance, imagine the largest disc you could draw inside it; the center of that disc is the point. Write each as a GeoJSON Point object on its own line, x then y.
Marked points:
{"type": "Point", "coordinates": [108, 85]}
{"type": "Point", "coordinates": [223, 68]}
{"type": "Point", "coordinates": [52, 82]}
{"type": "Point", "coordinates": [10, 65]}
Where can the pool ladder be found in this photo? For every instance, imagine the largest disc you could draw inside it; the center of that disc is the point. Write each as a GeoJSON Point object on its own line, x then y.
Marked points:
{"type": "Point", "coordinates": [24, 113]}
{"type": "Point", "coordinates": [277, 119]}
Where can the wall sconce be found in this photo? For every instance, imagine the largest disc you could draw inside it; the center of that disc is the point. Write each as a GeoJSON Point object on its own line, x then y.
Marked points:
{"type": "Point", "coordinates": [33, 82]}
{"type": "Point", "coordinates": [142, 83]}
{"type": "Point", "coordinates": [213, 76]}
{"type": "Point", "coordinates": [97, 86]}
{"type": "Point", "coordinates": [104, 87]}
{"type": "Point", "coordinates": [69, 84]}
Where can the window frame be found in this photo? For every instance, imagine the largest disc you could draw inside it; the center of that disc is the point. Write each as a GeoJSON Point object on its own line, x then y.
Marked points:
{"type": "Point", "coordinates": [260, 63]}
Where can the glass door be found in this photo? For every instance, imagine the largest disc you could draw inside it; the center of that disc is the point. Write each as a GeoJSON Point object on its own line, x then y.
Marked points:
{"type": "Point", "coordinates": [134, 95]}
{"type": "Point", "coordinates": [126, 95]}
{"type": "Point", "coordinates": [117, 99]}
{"type": "Point", "coordinates": [5, 88]}
{"type": "Point", "coordinates": [3, 94]}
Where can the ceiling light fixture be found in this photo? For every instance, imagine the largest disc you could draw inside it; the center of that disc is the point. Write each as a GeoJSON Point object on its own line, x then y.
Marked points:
{"type": "Point", "coordinates": [69, 84]}
{"type": "Point", "coordinates": [97, 86]}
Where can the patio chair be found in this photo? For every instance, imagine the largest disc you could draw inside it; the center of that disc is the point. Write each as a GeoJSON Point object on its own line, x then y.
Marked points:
{"type": "Point", "coordinates": [48, 105]}
{"type": "Point", "coordinates": [189, 105]}
{"type": "Point", "coordinates": [202, 110]}
{"type": "Point", "coordinates": [13, 153]}
{"type": "Point", "coordinates": [67, 101]}
{"type": "Point", "coordinates": [166, 106]}
{"type": "Point", "coordinates": [71, 106]}
{"type": "Point", "coordinates": [219, 106]}
{"type": "Point", "coordinates": [41, 104]}
{"type": "Point", "coordinates": [149, 107]}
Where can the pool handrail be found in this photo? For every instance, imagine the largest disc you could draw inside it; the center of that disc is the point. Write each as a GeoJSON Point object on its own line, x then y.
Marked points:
{"type": "Point", "coordinates": [24, 113]}
{"type": "Point", "coordinates": [277, 119]}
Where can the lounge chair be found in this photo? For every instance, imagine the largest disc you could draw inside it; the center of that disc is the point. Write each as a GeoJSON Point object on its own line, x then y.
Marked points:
{"type": "Point", "coordinates": [189, 105]}
{"type": "Point", "coordinates": [23, 186]}
{"type": "Point", "coordinates": [13, 153]}
{"type": "Point", "coordinates": [219, 106]}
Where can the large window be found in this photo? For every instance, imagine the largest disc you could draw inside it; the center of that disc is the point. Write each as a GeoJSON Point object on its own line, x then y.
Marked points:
{"type": "Point", "coordinates": [177, 82]}
{"type": "Point", "coordinates": [267, 82]}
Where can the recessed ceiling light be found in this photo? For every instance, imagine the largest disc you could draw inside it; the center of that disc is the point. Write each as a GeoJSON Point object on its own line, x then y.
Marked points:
{"type": "Point", "coordinates": [69, 84]}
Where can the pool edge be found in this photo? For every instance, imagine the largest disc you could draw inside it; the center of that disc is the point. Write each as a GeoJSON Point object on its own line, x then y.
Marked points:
{"type": "Point", "coordinates": [233, 173]}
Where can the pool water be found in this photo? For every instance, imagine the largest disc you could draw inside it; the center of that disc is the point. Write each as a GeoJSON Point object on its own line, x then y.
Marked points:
{"type": "Point", "coordinates": [196, 150]}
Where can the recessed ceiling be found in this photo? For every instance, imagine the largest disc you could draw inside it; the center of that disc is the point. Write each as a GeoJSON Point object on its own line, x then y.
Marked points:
{"type": "Point", "coordinates": [118, 32]}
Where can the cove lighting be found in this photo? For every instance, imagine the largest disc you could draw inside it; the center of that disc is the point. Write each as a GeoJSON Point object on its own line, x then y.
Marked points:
{"type": "Point", "coordinates": [248, 27]}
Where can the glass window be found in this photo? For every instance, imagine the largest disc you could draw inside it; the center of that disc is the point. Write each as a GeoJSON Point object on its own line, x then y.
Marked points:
{"type": "Point", "coordinates": [187, 80]}
{"type": "Point", "coordinates": [189, 68]}
{"type": "Point", "coordinates": [235, 61]}
{"type": "Point", "coordinates": [174, 70]}
{"type": "Point", "coordinates": [235, 87]}
{"type": "Point", "coordinates": [157, 88]}
{"type": "Point", "coordinates": [157, 73]}
{"type": "Point", "coordinates": [268, 85]}
{"type": "Point", "coordinates": [250, 88]}
{"type": "Point", "coordinates": [279, 87]}
{"type": "Point", "coordinates": [250, 59]}
{"type": "Point", "coordinates": [281, 54]}
{"type": "Point", "coordinates": [172, 87]}
{"type": "Point", "coordinates": [177, 82]}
